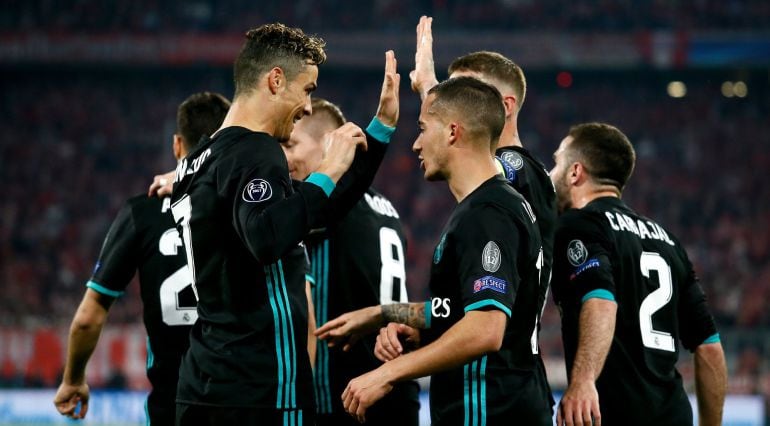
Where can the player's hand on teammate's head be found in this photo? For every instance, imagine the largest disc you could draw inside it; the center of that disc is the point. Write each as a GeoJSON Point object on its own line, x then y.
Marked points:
{"type": "Point", "coordinates": [388, 110]}
{"type": "Point", "coordinates": [423, 76]}
{"type": "Point", "coordinates": [394, 340]}
{"type": "Point", "coordinates": [579, 405]}
{"type": "Point", "coordinates": [162, 185]}
{"type": "Point", "coordinates": [69, 397]}
{"type": "Point", "coordinates": [340, 149]}
{"type": "Point", "coordinates": [350, 327]}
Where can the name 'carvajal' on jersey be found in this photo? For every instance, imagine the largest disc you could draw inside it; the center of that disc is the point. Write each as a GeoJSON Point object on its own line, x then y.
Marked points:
{"type": "Point", "coordinates": [621, 222]}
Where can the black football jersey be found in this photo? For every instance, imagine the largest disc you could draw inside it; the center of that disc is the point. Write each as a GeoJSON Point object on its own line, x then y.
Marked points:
{"type": "Point", "coordinates": [144, 237]}
{"type": "Point", "coordinates": [243, 223]}
{"type": "Point", "coordinates": [356, 263]}
{"type": "Point", "coordinates": [489, 257]}
{"type": "Point", "coordinates": [607, 250]}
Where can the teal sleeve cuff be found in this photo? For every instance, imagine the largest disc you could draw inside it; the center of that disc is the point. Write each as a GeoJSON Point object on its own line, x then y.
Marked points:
{"type": "Point", "coordinates": [309, 278]}
{"type": "Point", "coordinates": [103, 290]}
{"type": "Point", "coordinates": [488, 302]}
{"type": "Point", "coordinates": [599, 293]}
{"type": "Point", "coordinates": [325, 182]}
{"type": "Point", "coordinates": [428, 313]}
{"type": "Point", "coordinates": [712, 339]}
{"type": "Point", "coordinates": [380, 131]}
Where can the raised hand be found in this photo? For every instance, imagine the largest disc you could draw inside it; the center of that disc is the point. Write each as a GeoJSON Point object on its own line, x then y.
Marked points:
{"type": "Point", "coordinates": [423, 76]}
{"type": "Point", "coordinates": [340, 149]}
{"type": "Point", "coordinates": [387, 111]}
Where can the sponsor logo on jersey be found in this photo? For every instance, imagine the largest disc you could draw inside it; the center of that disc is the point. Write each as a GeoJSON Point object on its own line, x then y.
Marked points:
{"type": "Point", "coordinates": [439, 308]}
{"type": "Point", "coordinates": [490, 257]}
{"type": "Point", "coordinates": [439, 250]}
{"type": "Point", "coordinates": [577, 252]}
{"type": "Point", "coordinates": [514, 158]}
{"type": "Point", "coordinates": [589, 264]}
{"type": "Point", "coordinates": [490, 283]}
{"type": "Point", "coordinates": [256, 191]}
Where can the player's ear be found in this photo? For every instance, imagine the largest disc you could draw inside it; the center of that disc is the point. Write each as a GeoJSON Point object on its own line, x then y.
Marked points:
{"type": "Point", "coordinates": [511, 105]}
{"type": "Point", "coordinates": [276, 80]}
{"type": "Point", "coordinates": [576, 173]}
{"type": "Point", "coordinates": [176, 145]}
{"type": "Point", "coordinates": [454, 130]}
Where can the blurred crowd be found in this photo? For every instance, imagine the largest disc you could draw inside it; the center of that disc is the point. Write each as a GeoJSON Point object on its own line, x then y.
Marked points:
{"type": "Point", "coordinates": [77, 142]}
{"type": "Point", "coordinates": [154, 16]}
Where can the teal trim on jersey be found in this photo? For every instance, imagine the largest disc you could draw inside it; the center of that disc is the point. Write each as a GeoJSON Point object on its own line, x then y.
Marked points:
{"type": "Point", "coordinates": [712, 339]}
{"type": "Point", "coordinates": [380, 131]}
{"type": "Point", "coordinates": [320, 269]}
{"type": "Point", "coordinates": [474, 392]}
{"type": "Point", "coordinates": [278, 332]}
{"type": "Point", "coordinates": [299, 413]}
{"type": "Point", "coordinates": [147, 411]}
{"type": "Point", "coordinates": [150, 354]}
{"type": "Point", "coordinates": [293, 338]}
{"type": "Point", "coordinates": [488, 302]}
{"type": "Point", "coordinates": [428, 313]}
{"type": "Point", "coordinates": [309, 278]}
{"type": "Point", "coordinates": [599, 293]}
{"type": "Point", "coordinates": [323, 181]}
{"type": "Point", "coordinates": [104, 290]}
{"type": "Point", "coordinates": [466, 395]}
{"type": "Point", "coordinates": [483, 397]}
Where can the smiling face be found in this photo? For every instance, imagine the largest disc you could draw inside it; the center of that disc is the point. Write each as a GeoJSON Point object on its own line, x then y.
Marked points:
{"type": "Point", "coordinates": [295, 101]}
{"type": "Point", "coordinates": [431, 144]}
{"type": "Point", "coordinates": [304, 149]}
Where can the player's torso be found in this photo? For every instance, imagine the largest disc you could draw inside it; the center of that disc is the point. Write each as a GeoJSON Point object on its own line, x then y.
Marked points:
{"type": "Point", "coordinates": [506, 377]}
{"type": "Point", "coordinates": [253, 316]}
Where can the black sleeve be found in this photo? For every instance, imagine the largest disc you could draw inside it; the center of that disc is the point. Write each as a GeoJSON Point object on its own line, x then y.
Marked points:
{"type": "Point", "coordinates": [118, 258]}
{"type": "Point", "coordinates": [581, 260]}
{"type": "Point", "coordinates": [269, 217]}
{"type": "Point", "coordinates": [696, 325]}
{"type": "Point", "coordinates": [354, 183]}
{"type": "Point", "coordinates": [485, 246]}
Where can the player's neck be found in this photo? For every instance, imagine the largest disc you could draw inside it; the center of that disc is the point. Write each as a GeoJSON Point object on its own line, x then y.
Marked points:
{"type": "Point", "coordinates": [245, 112]}
{"type": "Point", "coordinates": [469, 173]}
{"type": "Point", "coordinates": [510, 135]}
{"type": "Point", "coordinates": [582, 198]}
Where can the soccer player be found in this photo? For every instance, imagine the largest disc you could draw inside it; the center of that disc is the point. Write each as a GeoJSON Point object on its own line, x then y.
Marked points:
{"type": "Point", "coordinates": [144, 237]}
{"type": "Point", "coordinates": [243, 224]}
{"type": "Point", "coordinates": [356, 263]}
{"type": "Point", "coordinates": [476, 329]}
{"type": "Point", "coordinates": [628, 295]}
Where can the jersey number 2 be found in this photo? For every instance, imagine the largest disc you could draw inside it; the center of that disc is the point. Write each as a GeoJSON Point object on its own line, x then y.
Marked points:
{"type": "Point", "coordinates": [652, 338]}
{"type": "Point", "coordinates": [393, 271]}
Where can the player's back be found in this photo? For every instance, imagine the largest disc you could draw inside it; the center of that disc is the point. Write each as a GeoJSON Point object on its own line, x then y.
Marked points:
{"type": "Point", "coordinates": [659, 304]}
{"type": "Point", "coordinates": [253, 314]}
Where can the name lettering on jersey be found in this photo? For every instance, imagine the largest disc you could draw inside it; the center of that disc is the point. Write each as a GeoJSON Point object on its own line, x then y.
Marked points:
{"type": "Point", "coordinates": [490, 257]}
{"type": "Point", "coordinates": [490, 283]}
{"type": "Point", "coordinates": [166, 204]}
{"type": "Point", "coordinates": [183, 170]}
{"type": "Point", "coordinates": [589, 264]}
{"type": "Point", "coordinates": [577, 253]}
{"type": "Point", "coordinates": [439, 308]}
{"type": "Point", "coordinates": [381, 205]}
{"type": "Point", "coordinates": [170, 242]}
{"type": "Point", "coordinates": [257, 191]}
{"type": "Point", "coordinates": [648, 230]}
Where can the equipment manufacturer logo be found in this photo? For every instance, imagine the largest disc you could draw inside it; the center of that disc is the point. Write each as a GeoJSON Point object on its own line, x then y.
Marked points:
{"type": "Point", "coordinates": [489, 283]}
{"type": "Point", "coordinates": [576, 252]}
{"type": "Point", "coordinates": [256, 191]}
{"type": "Point", "coordinates": [490, 257]}
{"type": "Point", "coordinates": [514, 158]}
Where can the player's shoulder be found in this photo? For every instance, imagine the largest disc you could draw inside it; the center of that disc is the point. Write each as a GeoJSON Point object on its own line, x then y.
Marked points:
{"type": "Point", "coordinates": [523, 161]}
{"type": "Point", "coordinates": [581, 221]}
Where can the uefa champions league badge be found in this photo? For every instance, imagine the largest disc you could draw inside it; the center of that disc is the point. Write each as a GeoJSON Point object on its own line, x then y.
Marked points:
{"type": "Point", "coordinates": [576, 252]}
{"type": "Point", "coordinates": [257, 191]}
{"type": "Point", "coordinates": [490, 257]}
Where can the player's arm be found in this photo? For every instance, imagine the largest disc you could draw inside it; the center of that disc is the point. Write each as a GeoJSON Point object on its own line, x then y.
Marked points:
{"type": "Point", "coordinates": [710, 383]}
{"type": "Point", "coordinates": [596, 329]}
{"type": "Point", "coordinates": [84, 334]}
{"type": "Point", "coordinates": [351, 326]}
{"type": "Point", "coordinates": [477, 333]}
{"type": "Point", "coordinates": [311, 325]}
{"type": "Point", "coordinates": [424, 74]}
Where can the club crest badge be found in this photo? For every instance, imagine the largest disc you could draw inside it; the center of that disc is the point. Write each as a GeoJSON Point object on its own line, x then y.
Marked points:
{"type": "Point", "coordinates": [577, 252]}
{"type": "Point", "coordinates": [514, 159]}
{"type": "Point", "coordinates": [490, 257]}
{"type": "Point", "coordinates": [256, 191]}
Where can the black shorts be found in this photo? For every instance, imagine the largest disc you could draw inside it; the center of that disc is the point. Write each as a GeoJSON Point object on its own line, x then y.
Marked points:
{"type": "Point", "coordinates": [204, 415]}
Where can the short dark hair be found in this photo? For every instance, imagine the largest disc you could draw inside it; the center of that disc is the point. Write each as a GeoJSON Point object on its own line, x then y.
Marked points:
{"type": "Point", "coordinates": [496, 66]}
{"type": "Point", "coordinates": [200, 115]}
{"type": "Point", "coordinates": [322, 107]}
{"type": "Point", "coordinates": [477, 104]}
{"type": "Point", "coordinates": [275, 45]}
{"type": "Point", "coordinates": [605, 152]}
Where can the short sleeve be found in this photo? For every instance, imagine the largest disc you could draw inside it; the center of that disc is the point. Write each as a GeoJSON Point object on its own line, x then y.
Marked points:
{"type": "Point", "coordinates": [485, 246]}
{"type": "Point", "coordinates": [582, 267]}
{"type": "Point", "coordinates": [696, 324]}
{"type": "Point", "coordinates": [118, 258]}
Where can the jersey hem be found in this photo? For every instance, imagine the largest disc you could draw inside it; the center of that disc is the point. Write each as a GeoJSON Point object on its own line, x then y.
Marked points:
{"type": "Point", "coordinates": [488, 302]}
{"type": "Point", "coordinates": [103, 290]}
{"type": "Point", "coordinates": [598, 294]}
